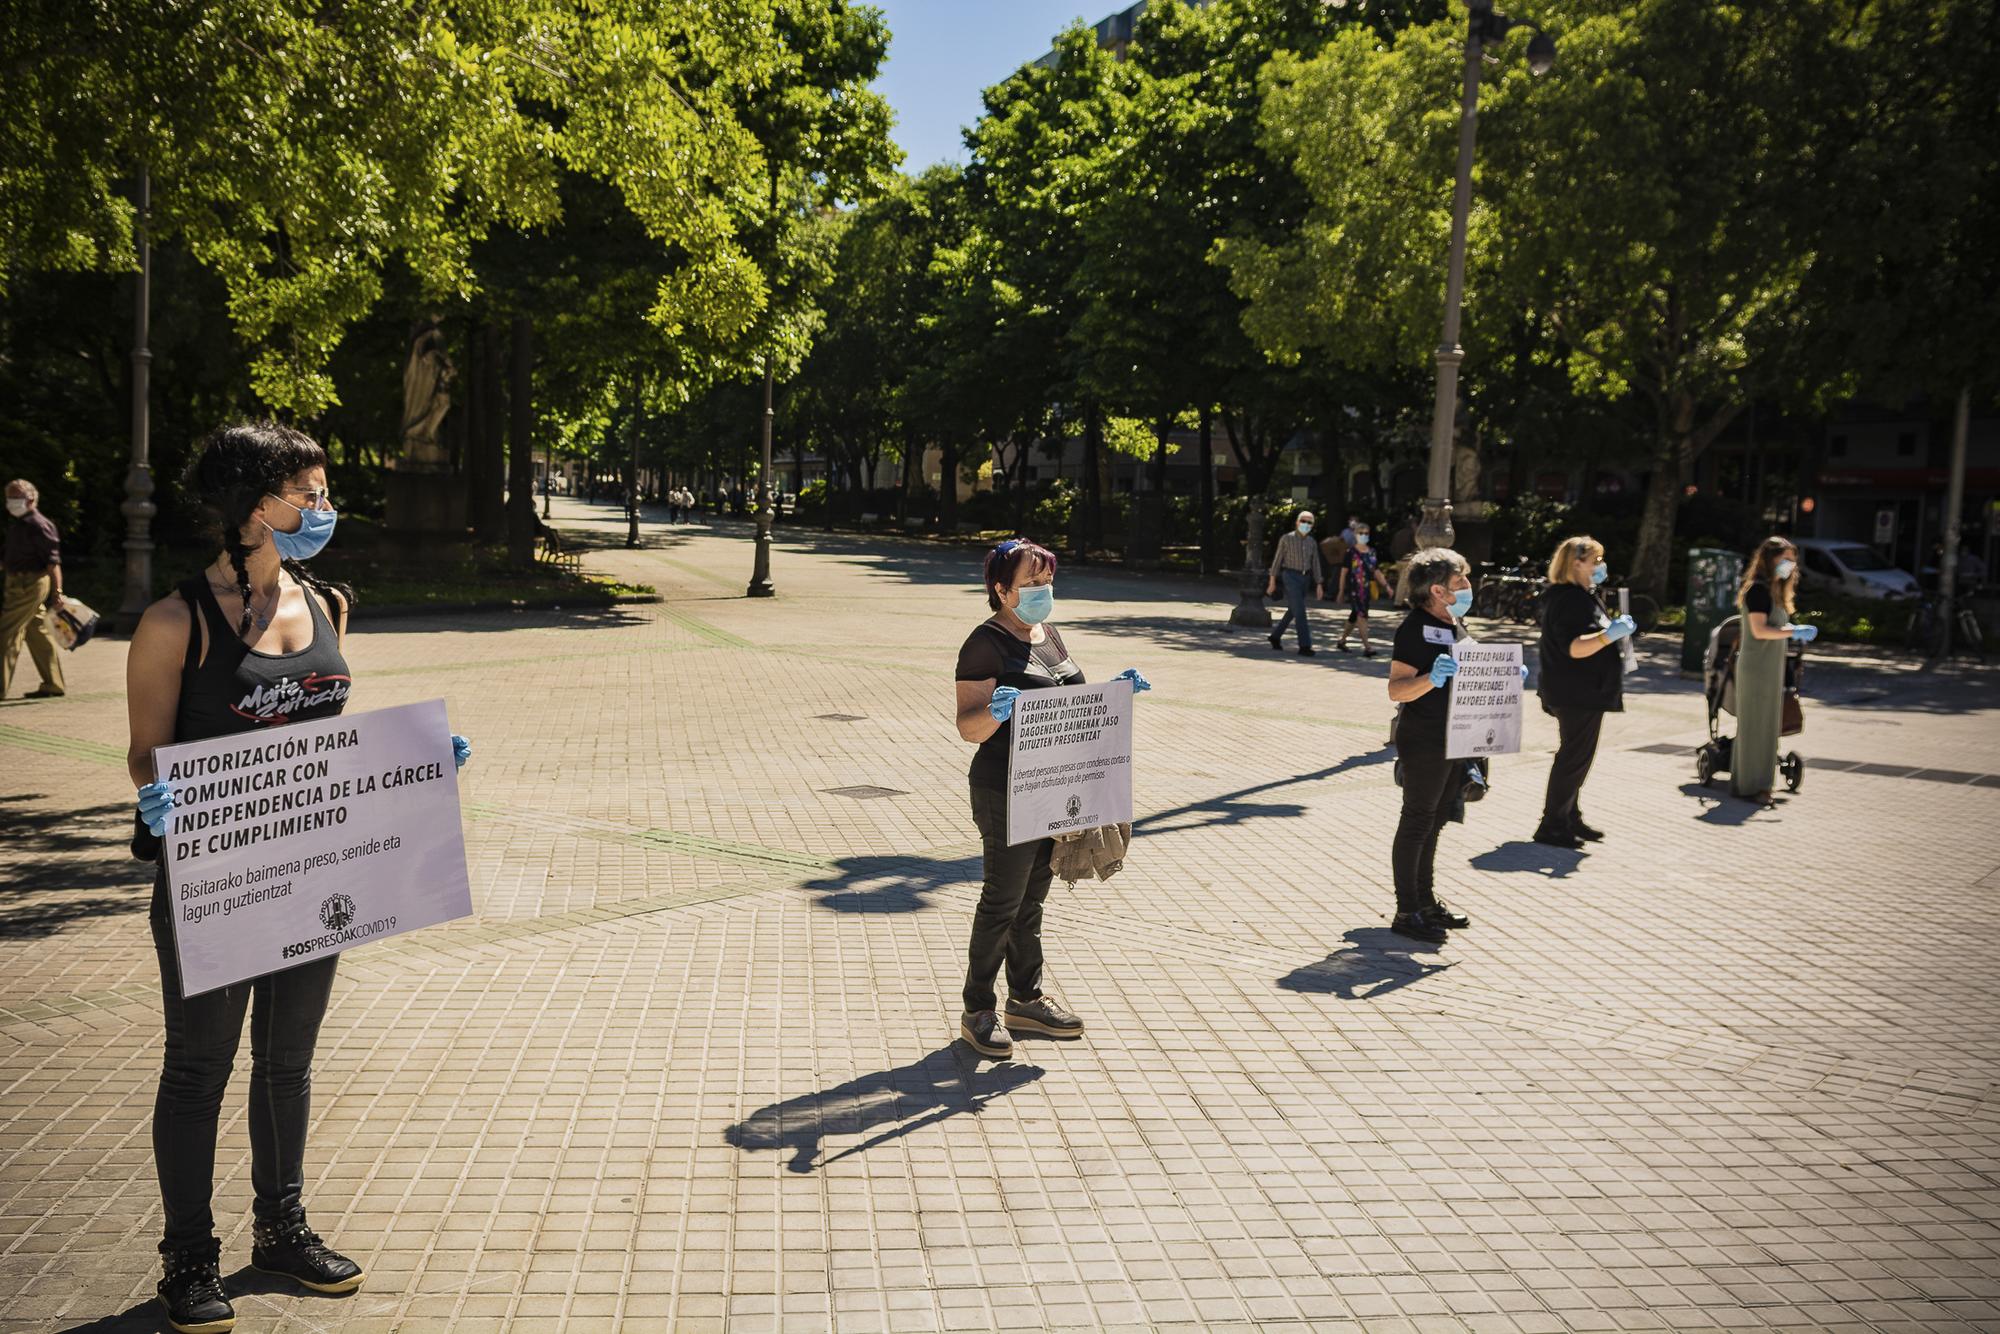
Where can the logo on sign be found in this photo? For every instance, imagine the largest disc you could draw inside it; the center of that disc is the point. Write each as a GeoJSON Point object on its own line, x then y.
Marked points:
{"type": "Point", "coordinates": [1072, 807]}
{"type": "Point", "coordinates": [336, 911]}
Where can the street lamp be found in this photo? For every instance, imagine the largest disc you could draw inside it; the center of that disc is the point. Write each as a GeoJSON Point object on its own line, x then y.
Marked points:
{"type": "Point", "coordinates": [1487, 27]}
{"type": "Point", "coordinates": [760, 570]}
{"type": "Point", "coordinates": [138, 507]}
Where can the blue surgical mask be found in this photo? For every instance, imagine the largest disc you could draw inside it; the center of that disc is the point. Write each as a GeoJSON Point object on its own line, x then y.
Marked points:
{"type": "Point", "coordinates": [315, 530]}
{"type": "Point", "coordinates": [1599, 573]}
{"type": "Point", "coordinates": [1461, 602]}
{"type": "Point", "coordinates": [1305, 527]}
{"type": "Point", "coordinates": [1361, 539]}
{"type": "Point", "coordinates": [1037, 604]}
{"type": "Point", "coordinates": [1785, 568]}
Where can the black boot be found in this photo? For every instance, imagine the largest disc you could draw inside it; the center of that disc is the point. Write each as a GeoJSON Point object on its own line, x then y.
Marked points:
{"type": "Point", "coordinates": [1582, 830]}
{"type": "Point", "coordinates": [1416, 926]}
{"type": "Point", "coordinates": [294, 1250]}
{"type": "Point", "coordinates": [1558, 837]}
{"type": "Point", "coordinates": [191, 1290]}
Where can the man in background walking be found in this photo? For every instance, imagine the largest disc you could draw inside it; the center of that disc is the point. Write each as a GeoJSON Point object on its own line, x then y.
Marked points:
{"type": "Point", "coordinates": [1296, 558]}
{"type": "Point", "coordinates": [33, 562]}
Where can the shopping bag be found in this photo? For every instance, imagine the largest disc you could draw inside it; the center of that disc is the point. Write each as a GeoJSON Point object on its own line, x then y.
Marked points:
{"type": "Point", "coordinates": [72, 623]}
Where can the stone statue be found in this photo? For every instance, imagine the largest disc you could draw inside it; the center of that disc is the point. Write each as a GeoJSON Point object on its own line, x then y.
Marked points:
{"type": "Point", "coordinates": [1464, 473]}
{"type": "Point", "coordinates": [427, 380]}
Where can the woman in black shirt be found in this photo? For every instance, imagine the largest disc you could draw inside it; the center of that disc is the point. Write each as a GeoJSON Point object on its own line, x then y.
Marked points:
{"type": "Point", "coordinates": [1015, 649]}
{"type": "Point", "coordinates": [1581, 682]}
{"type": "Point", "coordinates": [253, 641]}
{"type": "Point", "coordinates": [1437, 588]}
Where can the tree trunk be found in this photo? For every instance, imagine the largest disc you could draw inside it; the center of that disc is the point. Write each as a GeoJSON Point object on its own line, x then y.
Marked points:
{"type": "Point", "coordinates": [1091, 533]}
{"type": "Point", "coordinates": [1207, 491]}
{"type": "Point", "coordinates": [492, 498]}
{"type": "Point", "coordinates": [947, 487]}
{"type": "Point", "coordinates": [1656, 520]}
{"type": "Point", "coordinates": [1021, 486]}
{"type": "Point", "coordinates": [521, 443]}
{"type": "Point", "coordinates": [472, 465]}
{"type": "Point", "coordinates": [1681, 442]}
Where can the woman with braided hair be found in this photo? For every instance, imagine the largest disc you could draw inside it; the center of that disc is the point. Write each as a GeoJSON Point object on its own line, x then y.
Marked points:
{"type": "Point", "coordinates": [253, 641]}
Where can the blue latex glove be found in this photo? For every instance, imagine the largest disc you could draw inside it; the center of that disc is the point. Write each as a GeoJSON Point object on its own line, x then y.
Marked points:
{"type": "Point", "coordinates": [1002, 706]}
{"type": "Point", "coordinates": [1805, 634]}
{"type": "Point", "coordinates": [461, 751]}
{"type": "Point", "coordinates": [1619, 628]}
{"type": "Point", "coordinates": [1524, 673]}
{"type": "Point", "coordinates": [156, 802]}
{"type": "Point", "coordinates": [1443, 669]}
{"type": "Point", "coordinates": [1139, 682]}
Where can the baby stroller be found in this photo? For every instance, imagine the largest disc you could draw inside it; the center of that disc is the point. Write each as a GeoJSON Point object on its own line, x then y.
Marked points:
{"type": "Point", "coordinates": [1718, 677]}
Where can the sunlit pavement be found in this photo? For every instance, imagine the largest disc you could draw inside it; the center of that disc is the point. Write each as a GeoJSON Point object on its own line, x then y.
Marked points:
{"type": "Point", "coordinates": [691, 1065]}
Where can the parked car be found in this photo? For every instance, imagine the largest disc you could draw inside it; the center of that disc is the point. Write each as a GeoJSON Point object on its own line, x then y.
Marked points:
{"type": "Point", "coordinates": [1853, 568]}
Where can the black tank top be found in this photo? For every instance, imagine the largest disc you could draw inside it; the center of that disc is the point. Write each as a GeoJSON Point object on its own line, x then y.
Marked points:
{"type": "Point", "coordinates": [238, 689]}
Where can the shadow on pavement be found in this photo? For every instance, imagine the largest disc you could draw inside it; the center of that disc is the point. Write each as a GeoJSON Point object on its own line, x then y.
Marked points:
{"type": "Point", "coordinates": [1720, 806]}
{"type": "Point", "coordinates": [1230, 808]}
{"type": "Point", "coordinates": [890, 883]}
{"type": "Point", "coordinates": [1899, 686]}
{"type": "Point", "coordinates": [146, 1316]}
{"type": "Point", "coordinates": [486, 622]}
{"type": "Point", "coordinates": [1376, 961]}
{"type": "Point", "coordinates": [142, 1318]}
{"type": "Point", "coordinates": [1212, 632]}
{"type": "Point", "coordinates": [1523, 855]}
{"type": "Point", "coordinates": [944, 1084]}
{"type": "Point", "coordinates": [61, 861]}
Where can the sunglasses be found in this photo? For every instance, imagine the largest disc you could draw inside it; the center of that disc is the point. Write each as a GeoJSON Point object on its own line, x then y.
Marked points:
{"type": "Point", "coordinates": [316, 499]}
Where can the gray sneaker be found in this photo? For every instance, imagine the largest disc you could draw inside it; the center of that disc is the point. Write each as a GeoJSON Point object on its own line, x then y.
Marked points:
{"type": "Point", "coordinates": [1044, 1014]}
{"type": "Point", "coordinates": [985, 1034]}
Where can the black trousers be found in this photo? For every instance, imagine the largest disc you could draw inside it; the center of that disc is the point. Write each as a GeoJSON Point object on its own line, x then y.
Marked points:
{"type": "Point", "coordinates": [1007, 926]}
{"type": "Point", "coordinates": [1578, 729]}
{"type": "Point", "coordinates": [202, 1036]}
{"type": "Point", "coordinates": [1428, 779]}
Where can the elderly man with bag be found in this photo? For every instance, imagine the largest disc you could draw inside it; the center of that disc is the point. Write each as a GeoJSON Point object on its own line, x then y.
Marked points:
{"type": "Point", "coordinates": [33, 562]}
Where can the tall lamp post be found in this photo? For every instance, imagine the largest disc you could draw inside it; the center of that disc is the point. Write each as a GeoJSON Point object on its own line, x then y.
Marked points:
{"type": "Point", "coordinates": [1486, 28]}
{"type": "Point", "coordinates": [760, 571]}
{"type": "Point", "coordinates": [138, 507]}
{"type": "Point", "coordinates": [632, 474]}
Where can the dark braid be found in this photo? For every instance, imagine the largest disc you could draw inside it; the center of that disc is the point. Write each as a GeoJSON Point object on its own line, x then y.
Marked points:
{"type": "Point", "coordinates": [235, 468]}
{"type": "Point", "coordinates": [239, 560]}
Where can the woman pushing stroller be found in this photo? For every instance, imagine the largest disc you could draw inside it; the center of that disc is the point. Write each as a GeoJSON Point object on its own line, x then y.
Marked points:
{"type": "Point", "coordinates": [1770, 583]}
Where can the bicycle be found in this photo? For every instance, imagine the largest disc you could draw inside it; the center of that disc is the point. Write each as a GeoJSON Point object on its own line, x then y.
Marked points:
{"type": "Point", "coordinates": [1929, 632]}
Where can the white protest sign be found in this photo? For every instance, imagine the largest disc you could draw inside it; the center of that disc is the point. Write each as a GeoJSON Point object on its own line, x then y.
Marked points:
{"type": "Point", "coordinates": [1485, 713]}
{"type": "Point", "coordinates": [1069, 766]}
{"type": "Point", "coordinates": [292, 843]}
{"type": "Point", "coordinates": [1631, 658]}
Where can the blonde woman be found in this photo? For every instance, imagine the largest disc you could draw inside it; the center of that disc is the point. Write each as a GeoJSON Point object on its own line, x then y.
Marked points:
{"type": "Point", "coordinates": [1770, 582]}
{"type": "Point", "coordinates": [1581, 681]}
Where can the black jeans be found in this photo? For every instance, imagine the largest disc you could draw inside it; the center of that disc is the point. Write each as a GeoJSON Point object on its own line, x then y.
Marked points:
{"type": "Point", "coordinates": [1007, 927]}
{"type": "Point", "coordinates": [1429, 780]}
{"type": "Point", "coordinates": [1578, 729]}
{"type": "Point", "coordinates": [202, 1036]}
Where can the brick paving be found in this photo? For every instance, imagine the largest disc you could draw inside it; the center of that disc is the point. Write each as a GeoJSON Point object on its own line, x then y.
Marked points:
{"type": "Point", "coordinates": [690, 1067]}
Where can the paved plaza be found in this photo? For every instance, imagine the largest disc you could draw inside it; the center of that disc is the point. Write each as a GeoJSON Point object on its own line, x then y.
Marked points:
{"type": "Point", "coordinates": [691, 1065]}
